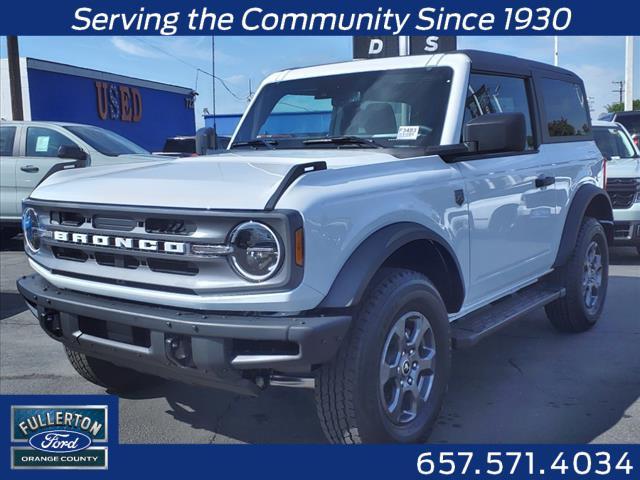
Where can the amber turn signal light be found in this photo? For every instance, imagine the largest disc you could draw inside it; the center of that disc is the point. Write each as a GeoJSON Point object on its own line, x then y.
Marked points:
{"type": "Point", "coordinates": [299, 237]}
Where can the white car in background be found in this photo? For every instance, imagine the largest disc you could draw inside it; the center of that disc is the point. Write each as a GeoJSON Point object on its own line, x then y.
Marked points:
{"type": "Point", "coordinates": [623, 180]}
{"type": "Point", "coordinates": [30, 150]}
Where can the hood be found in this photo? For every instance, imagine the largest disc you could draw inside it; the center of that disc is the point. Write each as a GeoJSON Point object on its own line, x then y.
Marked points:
{"type": "Point", "coordinates": [234, 180]}
{"type": "Point", "coordinates": [141, 157]}
{"type": "Point", "coordinates": [623, 168]}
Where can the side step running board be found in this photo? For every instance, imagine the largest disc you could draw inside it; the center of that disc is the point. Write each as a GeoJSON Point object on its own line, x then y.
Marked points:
{"type": "Point", "coordinates": [470, 329]}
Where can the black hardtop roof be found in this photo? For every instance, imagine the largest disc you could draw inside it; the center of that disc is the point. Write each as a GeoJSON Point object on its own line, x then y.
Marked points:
{"type": "Point", "coordinates": [627, 113]}
{"type": "Point", "coordinates": [498, 62]}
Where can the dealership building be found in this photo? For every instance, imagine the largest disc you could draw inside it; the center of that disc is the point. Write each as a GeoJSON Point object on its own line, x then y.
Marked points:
{"type": "Point", "coordinates": [143, 111]}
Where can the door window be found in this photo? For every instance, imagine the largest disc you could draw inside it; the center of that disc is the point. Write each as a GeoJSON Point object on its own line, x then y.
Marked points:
{"type": "Point", "coordinates": [44, 142]}
{"type": "Point", "coordinates": [7, 137]}
{"type": "Point", "coordinates": [497, 94]}
{"type": "Point", "coordinates": [565, 109]}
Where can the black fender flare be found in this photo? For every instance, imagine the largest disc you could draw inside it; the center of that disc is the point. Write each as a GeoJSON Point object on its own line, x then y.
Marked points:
{"type": "Point", "coordinates": [355, 275]}
{"type": "Point", "coordinates": [589, 199]}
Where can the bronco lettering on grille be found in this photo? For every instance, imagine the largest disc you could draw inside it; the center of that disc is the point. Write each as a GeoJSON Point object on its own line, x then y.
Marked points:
{"type": "Point", "coordinates": [119, 242]}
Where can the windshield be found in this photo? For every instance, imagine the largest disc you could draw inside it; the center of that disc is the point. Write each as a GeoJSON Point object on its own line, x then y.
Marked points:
{"type": "Point", "coordinates": [106, 142]}
{"type": "Point", "coordinates": [393, 108]}
{"type": "Point", "coordinates": [613, 142]}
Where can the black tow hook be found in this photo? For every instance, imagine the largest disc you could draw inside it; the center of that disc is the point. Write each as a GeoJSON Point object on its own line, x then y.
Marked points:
{"type": "Point", "coordinates": [178, 350]}
{"type": "Point", "coordinates": [50, 322]}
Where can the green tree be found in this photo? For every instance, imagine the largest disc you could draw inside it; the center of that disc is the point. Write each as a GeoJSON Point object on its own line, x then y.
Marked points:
{"type": "Point", "coordinates": [619, 107]}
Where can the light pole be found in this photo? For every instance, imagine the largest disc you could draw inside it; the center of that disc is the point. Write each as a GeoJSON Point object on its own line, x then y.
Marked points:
{"type": "Point", "coordinates": [628, 74]}
{"type": "Point", "coordinates": [556, 53]}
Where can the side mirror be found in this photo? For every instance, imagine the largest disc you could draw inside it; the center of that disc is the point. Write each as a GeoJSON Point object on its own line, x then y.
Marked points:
{"type": "Point", "coordinates": [206, 140]}
{"type": "Point", "coordinates": [497, 132]}
{"type": "Point", "coordinates": [72, 152]}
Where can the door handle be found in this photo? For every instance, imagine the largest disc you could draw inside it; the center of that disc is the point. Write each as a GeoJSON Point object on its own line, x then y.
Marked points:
{"type": "Point", "coordinates": [29, 168]}
{"type": "Point", "coordinates": [544, 181]}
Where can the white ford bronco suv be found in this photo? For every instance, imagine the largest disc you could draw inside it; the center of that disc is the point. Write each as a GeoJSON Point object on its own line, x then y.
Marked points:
{"type": "Point", "coordinates": [419, 204]}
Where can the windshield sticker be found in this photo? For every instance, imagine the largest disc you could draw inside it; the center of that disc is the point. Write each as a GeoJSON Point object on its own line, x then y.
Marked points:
{"type": "Point", "coordinates": [42, 144]}
{"type": "Point", "coordinates": [408, 132]}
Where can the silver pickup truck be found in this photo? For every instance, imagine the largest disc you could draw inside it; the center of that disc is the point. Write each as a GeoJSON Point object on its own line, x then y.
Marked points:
{"type": "Point", "coordinates": [435, 200]}
{"type": "Point", "coordinates": [32, 150]}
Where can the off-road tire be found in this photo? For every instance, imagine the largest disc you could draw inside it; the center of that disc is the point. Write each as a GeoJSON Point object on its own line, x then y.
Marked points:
{"type": "Point", "coordinates": [106, 374]}
{"type": "Point", "coordinates": [569, 314]}
{"type": "Point", "coordinates": [347, 389]}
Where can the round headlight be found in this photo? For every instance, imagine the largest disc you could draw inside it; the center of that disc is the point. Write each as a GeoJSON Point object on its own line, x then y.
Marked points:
{"type": "Point", "coordinates": [257, 254]}
{"type": "Point", "coordinates": [31, 229]}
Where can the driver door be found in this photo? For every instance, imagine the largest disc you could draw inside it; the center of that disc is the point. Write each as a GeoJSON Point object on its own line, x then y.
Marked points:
{"type": "Point", "coordinates": [513, 214]}
{"type": "Point", "coordinates": [39, 154]}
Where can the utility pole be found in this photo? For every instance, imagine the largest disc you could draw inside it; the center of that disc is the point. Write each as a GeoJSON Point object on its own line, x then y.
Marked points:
{"type": "Point", "coordinates": [619, 90]}
{"type": "Point", "coordinates": [556, 51]}
{"type": "Point", "coordinates": [15, 85]}
{"type": "Point", "coordinates": [628, 74]}
{"type": "Point", "coordinates": [213, 79]}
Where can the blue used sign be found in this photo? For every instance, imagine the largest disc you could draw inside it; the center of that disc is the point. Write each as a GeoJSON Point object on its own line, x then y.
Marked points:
{"type": "Point", "coordinates": [60, 441]}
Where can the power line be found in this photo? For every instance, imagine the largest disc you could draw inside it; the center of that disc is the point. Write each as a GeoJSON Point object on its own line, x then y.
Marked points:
{"type": "Point", "coordinates": [195, 67]}
{"type": "Point", "coordinates": [222, 82]}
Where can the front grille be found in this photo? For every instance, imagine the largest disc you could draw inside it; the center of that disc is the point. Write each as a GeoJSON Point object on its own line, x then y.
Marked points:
{"type": "Point", "coordinates": [111, 260]}
{"type": "Point", "coordinates": [151, 248]}
{"type": "Point", "coordinates": [67, 219]}
{"type": "Point", "coordinates": [622, 191]}
{"type": "Point", "coordinates": [172, 266]}
{"type": "Point", "coordinates": [171, 226]}
{"type": "Point", "coordinates": [72, 254]}
{"type": "Point", "coordinates": [117, 224]}
{"type": "Point", "coordinates": [136, 227]}
{"type": "Point", "coordinates": [621, 230]}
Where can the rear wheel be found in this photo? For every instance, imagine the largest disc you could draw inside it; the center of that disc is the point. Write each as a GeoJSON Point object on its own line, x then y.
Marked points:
{"type": "Point", "coordinates": [106, 374]}
{"type": "Point", "coordinates": [585, 279]}
{"type": "Point", "coordinates": [389, 377]}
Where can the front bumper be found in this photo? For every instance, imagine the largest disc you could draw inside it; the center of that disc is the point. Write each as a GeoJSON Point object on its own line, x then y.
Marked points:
{"type": "Point", "coordinates": [626, 233]}
{"type": "Point", "coordinates": [626, 226]}
{"type": "Point", "coordinates": [207, 348]}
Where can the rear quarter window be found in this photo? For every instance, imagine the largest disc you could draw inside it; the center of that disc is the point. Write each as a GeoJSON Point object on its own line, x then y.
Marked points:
{"type": "Point", "coordinates": [565, 109]}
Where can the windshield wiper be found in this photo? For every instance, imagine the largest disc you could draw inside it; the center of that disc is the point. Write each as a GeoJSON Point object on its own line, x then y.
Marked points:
{"type": "Point", "coordinates": [343, 140]}
{"type": "Point", "coordinates": [256, 142]}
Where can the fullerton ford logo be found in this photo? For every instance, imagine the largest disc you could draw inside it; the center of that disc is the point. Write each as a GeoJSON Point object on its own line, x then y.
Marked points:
{"type": "Point", "coordinates": [57, 436]}
{"type": "Point", "coordinates": [60, 441]}
{"type": "Point", "coordinates": [119, 242]}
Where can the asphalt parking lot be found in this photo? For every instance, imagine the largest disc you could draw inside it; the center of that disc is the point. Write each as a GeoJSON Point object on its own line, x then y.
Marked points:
{"type": "Point", "coordinates": [527, 384]}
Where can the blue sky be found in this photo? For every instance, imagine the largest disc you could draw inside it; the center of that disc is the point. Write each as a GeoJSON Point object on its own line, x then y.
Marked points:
{"type": "Point", "coordinates": [598, 60]}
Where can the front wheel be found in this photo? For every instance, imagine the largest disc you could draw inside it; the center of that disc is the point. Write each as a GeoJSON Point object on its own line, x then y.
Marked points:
{"type": "Point", "coordinates": [585, 278]}
{"type": "Point", "coordinates": [389, 378]}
